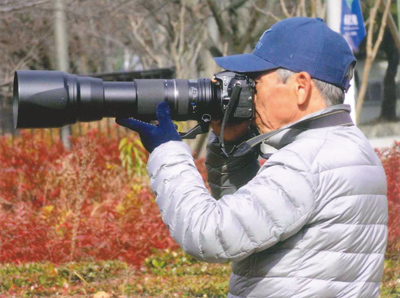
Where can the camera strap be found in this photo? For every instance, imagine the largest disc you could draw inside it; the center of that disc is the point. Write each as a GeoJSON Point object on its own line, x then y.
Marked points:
{"type": "Point", "coordinates": [334, 118]}
{"type": "Point", "coordinates": [229, 109]}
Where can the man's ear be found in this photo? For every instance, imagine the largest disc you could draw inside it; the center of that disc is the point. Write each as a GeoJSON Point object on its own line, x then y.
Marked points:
{"type": "Point", "coordinates": [302, 87]}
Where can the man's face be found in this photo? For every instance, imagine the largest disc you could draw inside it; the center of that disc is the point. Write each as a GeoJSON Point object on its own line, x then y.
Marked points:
{"type": "Point", "coordinates": [275, 102]}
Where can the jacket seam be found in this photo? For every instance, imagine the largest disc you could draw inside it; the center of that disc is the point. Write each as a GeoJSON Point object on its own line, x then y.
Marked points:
{"type": "Point", "coordinates": [358, 195]}
{"type": "Point", "coordinates": [303, 277]}
{"type": "Point", "coordinates": [267, 212]}
{"type": "Point", "coordinates": [345, 166]}
{"type": "Point", "coordinates": [298, 156]}
{"type": "Point", "coordinates": [286, 195]}
{"type": "Point", "coordinates": [307, 172]}
{"type": "Point", "coordinates": [333, 251]}
{"type": "Point", "coordinates": [354, 224]}
{"type": "Point", "coordinates": [184, 237]}
{"type": "Point", "coordinates": [314, 203]}
{"type": "Point", "coordinates": [253, 244]}
{"type": "Point", "coordinates": [319, 150]}
{"type": "Point", "coordinates": [218, 238]}
{"type": "Point", "coordinates": [267, 240]}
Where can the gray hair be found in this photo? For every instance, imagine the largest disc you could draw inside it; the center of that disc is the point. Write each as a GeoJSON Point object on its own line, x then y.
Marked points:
{"type": "Point", "coordinates": [331, 94]}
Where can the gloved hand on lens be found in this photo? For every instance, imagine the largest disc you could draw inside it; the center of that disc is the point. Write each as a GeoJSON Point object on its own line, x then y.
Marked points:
{"type": "Point", "coordinates": [151, 135]}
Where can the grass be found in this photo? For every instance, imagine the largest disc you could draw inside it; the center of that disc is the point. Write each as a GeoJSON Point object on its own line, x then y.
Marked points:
{"type": "Point", "coordinates": [164, 274]}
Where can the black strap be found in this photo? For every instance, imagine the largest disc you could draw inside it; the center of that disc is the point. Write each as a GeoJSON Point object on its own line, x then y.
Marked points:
{"type": "Point", "coordinates": [334, 118]}
{"type": "Point", "coordinates": [232, 102]}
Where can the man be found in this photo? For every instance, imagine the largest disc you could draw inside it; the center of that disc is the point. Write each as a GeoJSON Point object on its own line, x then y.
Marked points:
{"type": "Point", "coordinates": [312, 221]}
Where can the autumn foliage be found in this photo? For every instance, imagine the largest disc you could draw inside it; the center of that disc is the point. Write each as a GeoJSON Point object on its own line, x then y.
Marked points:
{"type": "Point", "coordinates": [61, 206]}
{"type": "Point", "coordinates": [94, 202]}
{"type": "Point", "coordinates": [390, 158]}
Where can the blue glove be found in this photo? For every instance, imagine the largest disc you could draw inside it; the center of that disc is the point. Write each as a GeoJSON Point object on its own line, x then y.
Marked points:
{"type": "Point", "coordinates": [153, 136]}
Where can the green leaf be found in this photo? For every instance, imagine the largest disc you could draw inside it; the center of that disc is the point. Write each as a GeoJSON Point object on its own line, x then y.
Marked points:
{"type": "Point", "coordinates": [42, 280]}
{"type": "Point", "coordinates": [122, 143]}
{"type": "Point", "coordinates": [154, 263]}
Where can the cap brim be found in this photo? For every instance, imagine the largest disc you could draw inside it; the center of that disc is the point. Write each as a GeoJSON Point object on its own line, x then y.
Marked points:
{"type": "Point", "coordinates": [244, 63]}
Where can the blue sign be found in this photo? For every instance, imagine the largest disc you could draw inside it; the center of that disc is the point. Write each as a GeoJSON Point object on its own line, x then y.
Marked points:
{"type": "Point", "coordinates": [352, 23]}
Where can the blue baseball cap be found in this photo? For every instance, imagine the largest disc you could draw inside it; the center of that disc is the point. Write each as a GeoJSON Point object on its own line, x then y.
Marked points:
{"type": "Point", "coordinates": [298, 44]}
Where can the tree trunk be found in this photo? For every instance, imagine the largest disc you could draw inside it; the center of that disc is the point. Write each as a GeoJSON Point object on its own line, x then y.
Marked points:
{"type": "Point", "coordinates": [363, 89]}
{"type": "Point", "coordinates": [61, 44]}
{"type": "Point", "coordinates": [388, 111]}
{"type": "Point", "coordinates": [372, 50]}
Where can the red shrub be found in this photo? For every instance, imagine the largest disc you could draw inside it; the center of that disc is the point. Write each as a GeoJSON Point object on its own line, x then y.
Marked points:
{"type": "Point", "coordinates": [390, 158]}
{"type": "Point", "coordinates": [60, 206]}
{"type": "Point", "coordinates": [25, 163]}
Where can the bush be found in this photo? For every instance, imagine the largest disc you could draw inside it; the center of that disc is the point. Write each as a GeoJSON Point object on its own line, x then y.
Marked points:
{"type": "Point", "coordinates": [94, 203]}
{"type": "Point", "coordinates": [60, 206]}
{"type": "Point", "coordinates": [390, 158]}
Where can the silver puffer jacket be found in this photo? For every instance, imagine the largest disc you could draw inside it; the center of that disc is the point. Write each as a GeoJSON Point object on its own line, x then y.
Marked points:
{"type": "Point", "coordinates": [310, 223]}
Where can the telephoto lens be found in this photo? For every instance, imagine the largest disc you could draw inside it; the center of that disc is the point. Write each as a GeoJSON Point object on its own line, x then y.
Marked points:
{"type": "Point", "coordinates": [45, 99]}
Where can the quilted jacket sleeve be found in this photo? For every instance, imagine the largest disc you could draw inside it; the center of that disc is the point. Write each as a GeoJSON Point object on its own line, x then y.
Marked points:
{"type": "Point", "coordinates": [273, 206]}
{"type": "Point", "coordinates": [225, 176]}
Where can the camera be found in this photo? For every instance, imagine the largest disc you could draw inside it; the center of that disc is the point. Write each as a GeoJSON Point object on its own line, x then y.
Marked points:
{"type": "Point", "coordinates": [46, 99]}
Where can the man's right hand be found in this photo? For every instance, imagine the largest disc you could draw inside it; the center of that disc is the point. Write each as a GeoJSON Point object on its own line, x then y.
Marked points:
{"type": "Point", "coordinates": [233, 131]}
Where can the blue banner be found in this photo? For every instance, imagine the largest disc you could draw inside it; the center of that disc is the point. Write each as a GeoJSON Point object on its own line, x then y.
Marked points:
{"type": "Point", "coordinates": [352, 23]}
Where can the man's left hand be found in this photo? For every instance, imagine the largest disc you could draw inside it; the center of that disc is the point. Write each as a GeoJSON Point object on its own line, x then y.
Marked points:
{"type": "Point", "coordinates": [153, 136]}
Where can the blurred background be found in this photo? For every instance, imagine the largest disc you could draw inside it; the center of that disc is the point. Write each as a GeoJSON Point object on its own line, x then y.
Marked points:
{"type": "Point", "coordinates": [77, 217]}
{"type": "Point", "coordinates": [124, 40]}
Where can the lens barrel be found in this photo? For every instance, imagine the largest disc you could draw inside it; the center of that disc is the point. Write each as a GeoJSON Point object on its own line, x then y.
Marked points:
{"type": "Point", "coordinates": [45, 99]}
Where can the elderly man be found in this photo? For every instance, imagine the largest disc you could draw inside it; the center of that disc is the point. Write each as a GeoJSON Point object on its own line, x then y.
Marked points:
{"type": "Point", "coordinates": [311, 222]}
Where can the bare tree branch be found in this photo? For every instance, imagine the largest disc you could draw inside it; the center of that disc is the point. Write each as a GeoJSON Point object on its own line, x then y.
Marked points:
{"type": "Point", "coordinates": [317, 9]}
{"type": "Point", "coordinates": [313, 8]}
{"type": "Point", "coordinates": [372, 50]}
{"type": "Point", "coordinates": [6, 83]}
{"type": "Point", "coordinates": [382, 28]}
{"type": "Point", "coordinates": [196, 54]}
{"type": "Point", "coordinates": [22, 6]}
{"type": "Point", "coordinates": [135, 26]}
{"type": "Point", "coordinates": [218, 18]}
{"type": "Point", "coordinates": [323, 10]}
{"type": "Point", "coordinates": [237, 4]}
{"type": "Point", "coordinates": [302, 9]}
{"type": "Point", "coordinates": [247, 37]}
{"type": "Point", "coordinates": [392, 28]}
{"type": "Point", "coordinates": [181, 29]}
{"type": "Point", "coordinates": [284, 9]}
{"type": "Point", "coordinates": [266, 13]}
{"type": "Point", "coordinates": [320, 8]}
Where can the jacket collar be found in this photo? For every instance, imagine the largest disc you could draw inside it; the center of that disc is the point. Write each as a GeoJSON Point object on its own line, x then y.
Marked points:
{"type": "Point", "coordinates": [289, 134]}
